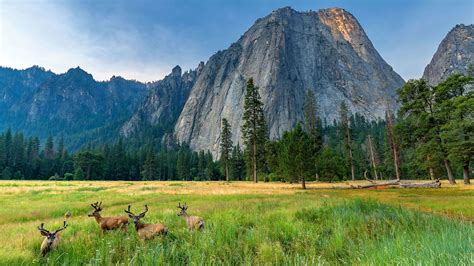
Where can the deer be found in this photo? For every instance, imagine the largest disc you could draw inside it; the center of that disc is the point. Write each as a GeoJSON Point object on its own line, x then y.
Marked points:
{"type": "Point", "coordinates": [146, 231]}
{"type": "Point", "coordinates": [51, 240]}
{"type": "Point", "coordinates": [108, 223]}
{"type": "Point", "coordinates": [193, 222]}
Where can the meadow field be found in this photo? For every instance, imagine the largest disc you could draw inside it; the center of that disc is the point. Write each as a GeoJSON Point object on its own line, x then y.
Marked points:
{"type": "Point", "coordinates": [246, 223]}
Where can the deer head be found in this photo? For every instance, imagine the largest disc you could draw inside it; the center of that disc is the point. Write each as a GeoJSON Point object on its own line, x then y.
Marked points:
{"type": "Point", "coordinates": [134, 217]}
{"type": "Point", "coordinates": [97, 209]}
{"type": "Point", "coordinates": [50, 237]}
{"type": "Point", "coordinates": [183, 209]}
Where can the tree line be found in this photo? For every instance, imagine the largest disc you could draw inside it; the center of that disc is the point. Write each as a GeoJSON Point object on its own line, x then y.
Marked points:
{"type": "Point", "coordinates": [432, 136]}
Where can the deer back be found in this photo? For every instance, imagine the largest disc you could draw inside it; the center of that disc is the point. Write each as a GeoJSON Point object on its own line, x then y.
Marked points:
{"type": "Point", "coordinates": [194, 222]}
{"type": "Point", "coordinates": [149, 231]}
{"type": "Point", "coordinates": [111, 223]}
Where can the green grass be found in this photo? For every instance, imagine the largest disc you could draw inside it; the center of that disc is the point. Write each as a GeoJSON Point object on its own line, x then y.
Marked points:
{"type": "Point", "coordinates": [312, 227]}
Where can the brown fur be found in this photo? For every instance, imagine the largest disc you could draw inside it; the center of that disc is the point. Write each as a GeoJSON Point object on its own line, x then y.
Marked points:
{"type": "Point", "coordinates": [111, 223]}
{"type": "Point", "coordinates": [149, 231]}
{"type": "Point", "coordinates": [108, 223]}
{"type": "Point", "coordinates": [193, 222]}
{"type": "Point", "coordinates": [45, 247]}
{"type": "Point", "coordinates": [146, 231]}
{"type": "Point", "coordinates": [51, 240]}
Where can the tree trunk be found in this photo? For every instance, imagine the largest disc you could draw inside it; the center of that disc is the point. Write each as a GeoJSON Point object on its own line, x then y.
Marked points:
{"type": "Point", "coordinates": [303, 183]}
{"type": "Point", "coordinates": [351, 161]}
{"type": "Point", "coordinates": [431, 171]}
{"type": "Point", "coordinates": [227, 172]}
{"type": "Point", "coordinates": [372, 157]}
{"type": "Point", "coordinates": [393, 146]}
{"type": "Point", "coordinates": [465, 174]}
{"type": "Point", "coordinates": [449, 170]}
{"type": "Point", "coordinates": [254, 166]}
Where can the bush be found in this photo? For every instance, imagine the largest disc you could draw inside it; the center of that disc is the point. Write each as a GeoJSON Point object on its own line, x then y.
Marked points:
{"type": "Point", "coordinates": [68, 176]}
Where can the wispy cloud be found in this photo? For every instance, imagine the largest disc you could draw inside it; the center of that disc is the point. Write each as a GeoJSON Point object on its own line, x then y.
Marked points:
{"type": "Point", "coordinates": [145, 39]}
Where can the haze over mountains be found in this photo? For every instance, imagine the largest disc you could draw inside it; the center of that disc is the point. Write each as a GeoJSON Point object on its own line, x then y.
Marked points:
{"type": "Point", "coordinates": [286, 53]}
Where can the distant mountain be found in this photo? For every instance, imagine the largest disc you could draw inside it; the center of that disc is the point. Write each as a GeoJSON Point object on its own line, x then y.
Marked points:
{"type": "Point", "coordinates": [163, 105]}
{"type": "Point", "coordinates": [39, 102]}
{"type": "Point", "coordinates": [454, 55]}
{"type": "Point", "coordinates": [288, 53]}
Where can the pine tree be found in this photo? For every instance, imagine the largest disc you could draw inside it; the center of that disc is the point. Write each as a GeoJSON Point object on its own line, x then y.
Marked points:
{"type": "Point", "coordinates": [78, 174]}
{"type": "Point", "coordinates": [312, 122]}
{"type": "Point", "coordinates": [422, 124]}
{"type": "Point", "coordinates": [345, 127]}
{"type": "Point", "coordinates": [455, 106]}
{"type": "Point", "coordinates": [226, 147]}
{"type": "Point", "coordinates": [254, 131]}
{"type": "Point", "coordinates": [49, 148]}
{"type": "Point", "coordinates": [149, 167]}
{"type": "Point", "coordinates": [237, 163]}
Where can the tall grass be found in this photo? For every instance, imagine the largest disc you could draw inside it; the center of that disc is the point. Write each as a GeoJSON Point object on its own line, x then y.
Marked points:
{"type": "Point", "coordinates": [250, 230]}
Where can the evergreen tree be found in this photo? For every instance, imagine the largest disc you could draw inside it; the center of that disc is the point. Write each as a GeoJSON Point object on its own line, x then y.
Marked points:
{"type": "Point", "coordinates": [421, 124]}
{"type": "Point", "coordinates": [345, 128]}
{"type": "Point", "coordinates": [312, 122]}
{"type": "Point", "coordinates": [237, 164]}
{"type": "Point", "coordinates": [226, 147]}
{"type": "Point", "coordinates": [455, 104]}
{"type": "Point", "coordinates": [254, 131]}
{"type": "Point", "coordinates": [149, 167]}
{"type": "Point", "coordinates": [49, 148]}
{"type": "Point", "coordinates": [79, 174]}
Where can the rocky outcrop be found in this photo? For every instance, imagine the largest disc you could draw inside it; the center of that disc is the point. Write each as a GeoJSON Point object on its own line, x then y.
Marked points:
{"type": "Point", "coordinates": [164, 103]}
{"type": "Point", "coordinates": [454, 55]}
{"type": "Point", "coordinates": [288, 53]}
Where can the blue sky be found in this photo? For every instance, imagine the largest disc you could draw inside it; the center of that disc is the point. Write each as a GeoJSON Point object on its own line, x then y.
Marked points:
{"type": "Point", "coordinates": [144, 39]}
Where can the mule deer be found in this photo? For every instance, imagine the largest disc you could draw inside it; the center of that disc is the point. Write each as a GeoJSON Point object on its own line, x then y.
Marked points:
{"type": "Point", "coordinates": [193, 222]}
{"type": "Point", "coordinates": [51, 240]}
{"type": "Point", "coordinates": [108, 223]}
{"type": "Point", "coordinates": [146, 231]}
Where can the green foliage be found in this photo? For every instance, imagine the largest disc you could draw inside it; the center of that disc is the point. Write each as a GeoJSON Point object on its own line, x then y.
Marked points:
{"type": "Point", "coordinates": [331, 166]}
{"type": "Point", "coordinates": [254, 129]}
{"type": "Point", "coordinates": [79, 174]}
{"type": "Point", "coordinates": [226, 147]}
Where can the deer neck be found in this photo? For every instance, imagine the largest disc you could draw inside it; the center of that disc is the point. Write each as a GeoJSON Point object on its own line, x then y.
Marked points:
{"type": "Point", "coordinates": [186, 216]}
{"type": "Point", "coordinates": [139, 226]}
{"type": "Point", "coordinates": [98, 218]}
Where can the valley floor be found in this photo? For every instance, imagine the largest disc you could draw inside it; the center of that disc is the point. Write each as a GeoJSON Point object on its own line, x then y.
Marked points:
{"type": "Point", "coordinates": [246, 223]}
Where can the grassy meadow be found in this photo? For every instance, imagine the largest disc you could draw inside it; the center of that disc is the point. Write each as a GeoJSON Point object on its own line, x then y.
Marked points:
{"type": "Point", "coordinates": [246, 223]}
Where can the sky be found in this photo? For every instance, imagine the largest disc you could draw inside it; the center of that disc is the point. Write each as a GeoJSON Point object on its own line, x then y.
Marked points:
{"type": "Point", "coordinates": [145, 39]}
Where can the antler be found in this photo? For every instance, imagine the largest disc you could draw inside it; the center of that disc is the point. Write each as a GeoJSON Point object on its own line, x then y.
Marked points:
{"type": "Point", "coordinates": [143, 213]}
{"type": "Point", "coordinates": [41, 228]}
{"type": "Point", "coordinates": [129, 211]}
{"type": "Point", "coordinates": [61, 228]}
{"type": "Point", "coordinates": [97, 206]}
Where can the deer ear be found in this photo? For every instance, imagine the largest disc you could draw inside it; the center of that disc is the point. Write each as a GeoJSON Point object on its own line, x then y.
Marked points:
{"type": "Point", "coordinates": [43, 233]}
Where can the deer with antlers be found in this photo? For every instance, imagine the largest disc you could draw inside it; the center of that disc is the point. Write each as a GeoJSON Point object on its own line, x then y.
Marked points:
{"type": "Point", "coordinates": [146, 231]}
{"type": "Point", "coordinates": [108, 223]}
{"type": "Point", "coordinates": [51, 240]}
{"type": "Point", "coordinates": [193, 222]}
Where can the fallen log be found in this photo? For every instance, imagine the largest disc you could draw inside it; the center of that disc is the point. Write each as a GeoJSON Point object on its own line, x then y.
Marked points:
{"type": "Point", "coordinates": [434, 184]}
{"type": "Point", "coordinates": [378, 185]}
{"type": "Point", "coordinates": [398, 184]}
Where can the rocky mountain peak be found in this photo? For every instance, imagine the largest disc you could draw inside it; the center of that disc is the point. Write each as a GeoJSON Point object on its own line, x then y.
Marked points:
{"type": "Point", "coordinates": [288, 53]}
{"type": "Point", "coordinates": [454, 55]}
{"type": "Point", "coordinates": [176, 71]}
{"type": "Point", "coordinates": [78, 73]}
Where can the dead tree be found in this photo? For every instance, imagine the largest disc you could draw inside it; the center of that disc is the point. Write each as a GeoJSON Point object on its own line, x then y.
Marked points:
{"type": "Point", "coordinates": [373, 156]}
{"type": "Point", "coordinates": [392, 144]}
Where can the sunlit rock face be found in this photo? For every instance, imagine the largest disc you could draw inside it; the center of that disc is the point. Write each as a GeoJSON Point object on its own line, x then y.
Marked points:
{"type": "Point", "coordinates": [454, 55]}
{"type": "Point", "coordinates": [164, 103]}
{"type": "Point", "coordinates": [288, 53]}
